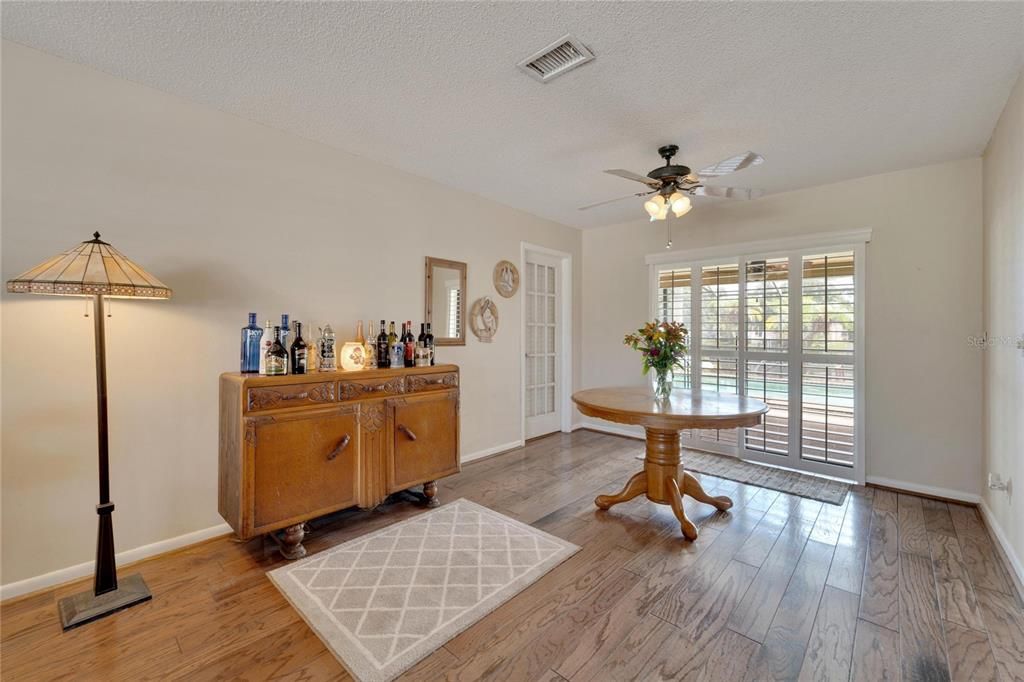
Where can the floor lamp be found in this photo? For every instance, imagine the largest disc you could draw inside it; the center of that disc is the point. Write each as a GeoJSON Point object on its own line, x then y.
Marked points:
{"type": "Point", "coordinates": [96, 269]}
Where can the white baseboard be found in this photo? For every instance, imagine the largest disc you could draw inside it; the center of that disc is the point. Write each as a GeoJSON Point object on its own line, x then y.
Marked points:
{"type": "Point", "coordinates": [1004, 542]}
{"type": "Point", "coordinates": [925, 489]}
{"type": "Point", "coordinates": [487, 452]}
{"type": "Point", "coordinates": [86, 568]}
{"type": "Point", "coordinates": [614, 429]}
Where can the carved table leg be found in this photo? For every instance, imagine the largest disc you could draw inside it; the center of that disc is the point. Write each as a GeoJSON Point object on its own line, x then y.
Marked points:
{"type": "Point", "coordinates": [637, 485]}
{"type": "Point", "coordinates": [693, 488]}
{"type": "Point", "coordinates": [675, 500]}
{"type": "Point", "coordinates": [290, 541]}
{"type": "Point", "coordinates": [430, 493]}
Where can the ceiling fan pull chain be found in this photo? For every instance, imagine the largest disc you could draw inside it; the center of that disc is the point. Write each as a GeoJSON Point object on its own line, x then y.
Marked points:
{"type": "Point", "coordinates": [668, 234]}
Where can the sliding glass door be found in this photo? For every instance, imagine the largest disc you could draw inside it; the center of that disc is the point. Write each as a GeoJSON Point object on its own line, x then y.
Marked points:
{"type": "Point", "coordinates": [783, 328]}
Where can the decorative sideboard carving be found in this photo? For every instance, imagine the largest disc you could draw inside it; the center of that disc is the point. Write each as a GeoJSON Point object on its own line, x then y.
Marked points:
{"type": "Point", "coordinates": [295, 447]}
{"type": "Point", "coordinates": [266, 398]}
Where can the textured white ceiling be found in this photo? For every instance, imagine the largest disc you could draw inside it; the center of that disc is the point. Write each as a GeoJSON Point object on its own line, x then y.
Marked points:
{"type": "Point", "coordinates": [825, 91]}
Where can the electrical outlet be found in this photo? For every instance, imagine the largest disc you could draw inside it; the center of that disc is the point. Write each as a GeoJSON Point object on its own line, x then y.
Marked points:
{"type": "Point", "coordinates": [996, 482]}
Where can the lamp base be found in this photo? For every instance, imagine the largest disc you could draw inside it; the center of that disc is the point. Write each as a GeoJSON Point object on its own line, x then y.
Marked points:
{"type": "Point", "coordinates": [85, 607]}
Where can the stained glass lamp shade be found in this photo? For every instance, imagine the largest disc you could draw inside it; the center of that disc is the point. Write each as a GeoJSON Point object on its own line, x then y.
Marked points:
{"type": "Point", "coordinates": [92, 268]}
{"type": "Point", "coordinates": [95, 268]}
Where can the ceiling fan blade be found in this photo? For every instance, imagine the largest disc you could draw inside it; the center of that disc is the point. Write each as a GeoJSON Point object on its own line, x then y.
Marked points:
{"type": "Point", "coordinates": [612, 201]}
{"type": "Point", "coordinates": [630, 175]}
{"type": "Point", "coordinates": [731, 165]}
{"type": "Point", "coordinates": [727, 192]}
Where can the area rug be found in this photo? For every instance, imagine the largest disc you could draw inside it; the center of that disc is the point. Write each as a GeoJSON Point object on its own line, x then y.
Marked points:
{"type": "Point", "coordinates": [735, 469]}
{"type": "Point", "coordinates": [383, 601]}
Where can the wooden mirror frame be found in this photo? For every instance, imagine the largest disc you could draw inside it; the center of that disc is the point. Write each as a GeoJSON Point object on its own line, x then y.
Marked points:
{"type": "Point", "coordinates": [428, 299]}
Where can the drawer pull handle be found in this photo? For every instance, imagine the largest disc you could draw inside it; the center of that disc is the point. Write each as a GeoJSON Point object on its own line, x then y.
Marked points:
{"type": "Point", "coordinates": [342, 444]}
{"type": "Point", "coordinates": [296, 396]}
{"type": "Point", "coordinates": [407, 431]}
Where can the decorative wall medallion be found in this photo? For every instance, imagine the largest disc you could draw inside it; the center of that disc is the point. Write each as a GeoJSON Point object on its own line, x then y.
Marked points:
{"type": "Point", "coordinates": [483, 319]}
{"type": "Point", "coordinates": [506, 278]}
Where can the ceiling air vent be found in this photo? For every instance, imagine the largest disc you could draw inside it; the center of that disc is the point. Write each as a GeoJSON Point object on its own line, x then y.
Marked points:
{"type": "Point", "coordinates": [555, 59]}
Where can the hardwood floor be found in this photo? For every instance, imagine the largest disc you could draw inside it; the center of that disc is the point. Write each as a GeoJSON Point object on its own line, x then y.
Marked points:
{"type": "Point", "coordinates": [885, 587]}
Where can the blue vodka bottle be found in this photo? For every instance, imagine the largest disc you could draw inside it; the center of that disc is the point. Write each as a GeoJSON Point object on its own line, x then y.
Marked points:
{"type": "Point", "coordinates": [252, 335]}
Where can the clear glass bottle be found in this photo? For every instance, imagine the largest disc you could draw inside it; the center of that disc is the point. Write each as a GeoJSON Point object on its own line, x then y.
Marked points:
{"type": "Point", "coordinates": [251, 336]}
{"type": "Point", "coordinates": [277, 356]}
{"type": "Point", "coordinates": [300, 352]}
{"type": "Point", "coordinates": [265, 343]}
{"type": "Point", "coordinates": [326, 361]}
{"type": "Point", "coordinates": [369, 348]}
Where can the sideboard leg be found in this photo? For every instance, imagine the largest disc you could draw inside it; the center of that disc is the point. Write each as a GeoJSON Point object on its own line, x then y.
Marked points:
{"type": "Point", "coordinates": [290, 542]}
{"type": "Point", "coordinates": [430, 492]}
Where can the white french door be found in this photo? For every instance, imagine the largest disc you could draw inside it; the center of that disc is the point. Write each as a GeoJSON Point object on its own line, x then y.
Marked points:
{"type": "Point", "coordinates": [784, 328]}
{"type": "Point", "coordinates": [542, 282]}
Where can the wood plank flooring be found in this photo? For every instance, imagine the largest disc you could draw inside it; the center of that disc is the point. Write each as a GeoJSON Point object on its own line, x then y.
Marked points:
{"type": "Point", "coordinates": [885, 587]}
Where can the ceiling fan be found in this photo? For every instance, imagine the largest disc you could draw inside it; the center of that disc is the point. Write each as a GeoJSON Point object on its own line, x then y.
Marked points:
{"type": "Point", "coordinates": [672, 185]}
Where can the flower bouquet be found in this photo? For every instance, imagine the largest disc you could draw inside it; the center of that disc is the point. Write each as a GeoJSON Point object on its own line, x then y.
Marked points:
{"type": "Point", "coordinates": [663, 346]}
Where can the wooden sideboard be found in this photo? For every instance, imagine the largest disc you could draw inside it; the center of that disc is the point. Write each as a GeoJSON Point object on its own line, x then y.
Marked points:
{"type": "Point", "coordinates": [296, 447]}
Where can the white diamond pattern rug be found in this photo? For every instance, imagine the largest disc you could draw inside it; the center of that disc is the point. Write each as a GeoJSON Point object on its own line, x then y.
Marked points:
{"type": "Point", "coordinates": [386, 600]}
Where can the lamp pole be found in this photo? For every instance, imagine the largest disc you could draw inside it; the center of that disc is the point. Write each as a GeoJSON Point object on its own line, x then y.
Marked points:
{"type": "Point", "coordinates": [106, 569]}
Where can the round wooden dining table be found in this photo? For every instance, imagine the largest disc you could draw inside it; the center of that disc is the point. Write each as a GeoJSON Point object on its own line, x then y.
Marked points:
{"type": "Point", "coordinates": [663, 479]}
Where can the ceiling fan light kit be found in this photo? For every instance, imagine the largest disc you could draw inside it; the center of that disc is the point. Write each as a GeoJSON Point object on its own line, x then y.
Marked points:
{"type": "Point", "coordinates": [672, 185]}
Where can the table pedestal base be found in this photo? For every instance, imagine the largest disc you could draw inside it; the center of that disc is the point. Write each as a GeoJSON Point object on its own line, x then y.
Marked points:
{"type": "Point", "coordinates": [663, 481]}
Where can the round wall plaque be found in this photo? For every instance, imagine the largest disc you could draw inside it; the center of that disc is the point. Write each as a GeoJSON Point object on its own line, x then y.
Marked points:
{"type": "Point", "coordinates": [506, 278]}
{"type": "Point", "coordinates": [483, 319]}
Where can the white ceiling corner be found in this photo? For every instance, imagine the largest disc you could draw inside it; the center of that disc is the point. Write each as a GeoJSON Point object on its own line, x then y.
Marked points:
{"type": "Point", "coordinates": [824, 90]}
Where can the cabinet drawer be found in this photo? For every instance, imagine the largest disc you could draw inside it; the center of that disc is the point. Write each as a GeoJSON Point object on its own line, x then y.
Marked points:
{"type": "Point", "coordinates": [427, 382]}
{"type": "Point", "coordinates": [289, 395]}
{"type": "Point", "coordinates": [303, 465]}
{"type": "Point", "coordinates": [424, 439]}
{"type": "Point", "coordinates": [351, 389]}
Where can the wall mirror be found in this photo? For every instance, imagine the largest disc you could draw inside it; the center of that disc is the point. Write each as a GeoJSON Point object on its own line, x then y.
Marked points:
{"type": "Point", "coordinates": [446, 301]}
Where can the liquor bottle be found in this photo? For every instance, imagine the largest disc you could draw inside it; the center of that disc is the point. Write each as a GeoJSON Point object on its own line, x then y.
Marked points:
{"type": "Point", "coordinates": [410, 345]}
{"type": "Point", "coordinates": [326, 362]}
{"type": "Point", "coordinates": [392, 337]}
{"type": "Point", "coordinates": [382, 348]}
{"type": "Point", "coordinates": [428, 341]}
{"type": "Point", "coordinates": [360, 339]}
{"type": "Point", "coordinates": [251, 335]}
{"type": "Point", "coordinates": [285, 330]}
{"type": "Point", "coordinates": [265, 343]}
{"type": "Point", "coordinates": [397, 358]}
{"type": "Point", "coordinates": [300, 352]}
{"type": "Point", "coordinates": [277, 356]}
{"type": "Point", "coordinates": [369, 348]}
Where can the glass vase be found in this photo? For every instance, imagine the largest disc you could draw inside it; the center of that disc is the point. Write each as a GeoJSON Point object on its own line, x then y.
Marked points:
{"type": "Point", "coordinates": [661, 382]}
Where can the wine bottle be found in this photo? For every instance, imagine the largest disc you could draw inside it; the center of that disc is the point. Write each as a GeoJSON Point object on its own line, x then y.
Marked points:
{"type": "Point", "coordinates": [428, 341]}
{"type": "Point", "coordinates": [277, 356]}
{"type": "Point", "coordinates": [250, 357]}
{"type": "Point", "coordinates": [265, 343]}
{"type": "Point", "coordinates": [285, 330]}
{"type": "Point", "coordinates": [300, 352]}
{"type": "Point", "coordinates": [410, 345]}
{"type": "Point", "coordinates": [382, 348]}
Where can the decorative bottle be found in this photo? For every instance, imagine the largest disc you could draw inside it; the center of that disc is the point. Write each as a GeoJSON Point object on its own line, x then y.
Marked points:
{"type": "Point", "coordinates": [300, 352]}
{"type": "Point", "coordinates": [428, 341]}
{"type": "Point", "coordinates": [410, 345]}
{"type": "Point", "coordinates": [265, 343]}
{"type": "Point", "coordinates": [325, 350]}
{"type": "Point", "coordinates": [383, 357]}
{"type": "Point", "coordinates": [277, 356]}
{"type": "Point", "coordinates": [251, 336]}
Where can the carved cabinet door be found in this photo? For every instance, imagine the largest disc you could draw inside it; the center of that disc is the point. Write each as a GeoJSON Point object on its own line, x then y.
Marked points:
{"type": "Point", "coordinates": [424, 439]}
{"type": "Point", "coordinates": [303, 465]}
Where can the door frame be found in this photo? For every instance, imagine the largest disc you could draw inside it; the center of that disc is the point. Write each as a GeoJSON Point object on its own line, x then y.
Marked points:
{"type": "Point", "coordinates": [565, 338]}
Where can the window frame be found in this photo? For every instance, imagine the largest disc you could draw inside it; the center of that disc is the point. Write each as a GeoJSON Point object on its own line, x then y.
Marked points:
{"type": "Point", "coordinates": [793, 249]}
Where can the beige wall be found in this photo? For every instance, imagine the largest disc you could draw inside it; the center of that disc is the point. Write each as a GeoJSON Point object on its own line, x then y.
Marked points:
{"type": "Point", "coordinates": [1004, 318]}
{"type": "Point", "coordinates": [923, 297]}
{"type": "Point", "coordinates": [235, 217]}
